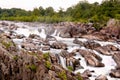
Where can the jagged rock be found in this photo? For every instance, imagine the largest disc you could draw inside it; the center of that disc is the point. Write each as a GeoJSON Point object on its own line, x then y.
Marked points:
{"type": "Point", "coordinates": [91, 44]}
{"type": "Point", "coordinates": [101, 77]}
{"type": "Point", "coordinates": [4, 24]}
{"type": "Point", "coordinates": [91, 58]}
{"type": "Point", "coordinates": [64, 53]}
{"type": "Point", "coordinates": [85, 52]}
{"type": "Point", "coordinates": [30, 46]}
{"type": "Point", "coordinates": [86, 74]}
{"type": "Point", "coordinates": [49, 30]}
{"type": "Point", "coordinates": [34, 36]}
{"type": "Point", "coordinates": [115, 73]}
{"type": "Point", "coordinates": [112, 48]}
{"type": "Point", "coordinates": [53, 58]}
{"type": "Point", "coordinates": [59, 45]}
{"type": "Point", "coordinates": [1, 31]}
{"type": "Point", "coordinates": [50, 38]}
{"type": "Point", "coordinates": [76, 41]}
{"type": "Point", "coordinates": [113, 28]}
{"type": "Point", "coordinates": [24, 65]}
{"type": "Point", "coordinates": [13, 27]}
{"type": "Point", "coordinates": [92, 61]}
{"type": "Point", "coordinates": [116, 57]}
{"type": "Point", "coordinates": [46, 48]}
{"type": "Point", "coordinates": [103, 50]}
{"type": "Point", "coordinates": [65, 34]}
{"type": "Point", "coordinates": [20, 36]}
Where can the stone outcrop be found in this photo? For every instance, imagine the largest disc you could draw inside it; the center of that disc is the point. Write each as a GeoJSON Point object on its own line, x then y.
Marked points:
{"type": "Point", "coordinates": [59, 45]}
{"type": "Point", "coordinates": [91, 58]}
{"type": "Point", "coordinates": [90, 44]}
{"type": "Point", "coordinates": [101, 77]}
{"type": "Point", "coordinates": [24, 65]}
{"type": "Point", "coordinates": [116, 72]}
{"type": "Point", "coordinates": [107, 50]}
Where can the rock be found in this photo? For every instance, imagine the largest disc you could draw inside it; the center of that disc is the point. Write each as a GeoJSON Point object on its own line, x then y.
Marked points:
{"type": "Point", "coordinates": [50, 38]}
{"type": "Point", "coordinates": [59, 45]}
{"type": "Point", "coordinates": [115, 73]}
{"type": "Point", "coordinates": [34, 36]}
{"type": "Point", "coordinates": [65, 34]}
{"type": "Point", "coordinates": [113, 28]}
{"type": "Point", "coordinates": [86, 74]}
{"type": "Point", "coordinates": [90, 44]}
{"type": "Point", "coordinates": [112, 48]}
{"type": "Point", "coordinates": [64, 53]}
{"type": "Point", "coordinates": [76, 64]}
{"type": "Point", "coordinates": [85, 53]}
{"type": "Point", "coordinates": [46, 48]}
{"type": "Point", "coordinates": [1, 31]}
{"type": "Point", "coordinates": [20, 36]}
{"type": "Point", "coordinates": [4, 24]}
{"type": "Point", "coordinates": [53, 58]}
{"type": "Point", "coordinates": [76, 41]}
{"type": "Point", "coordinates": [91, 58]}
{"type": "Point", "coordinates": [30, 47]}
{"type": "Point", "coordinates": [92, 61]}
{"type": "Point", "coordinates": [104, 50]}
{"type": "Point", "coordinates": [13, 27]}
{"type": "Point", "coordinates": [101, 77]}
{"type": "Point", "coordinates": [49, 30]}
{"type": "Point", "coordinates": [116, 57]}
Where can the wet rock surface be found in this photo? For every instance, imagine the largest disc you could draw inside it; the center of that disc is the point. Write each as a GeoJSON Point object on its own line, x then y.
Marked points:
{"type": "Point", "coordinates": [24, 65]}
{"type": "Point", "coordinates": [58, 51]}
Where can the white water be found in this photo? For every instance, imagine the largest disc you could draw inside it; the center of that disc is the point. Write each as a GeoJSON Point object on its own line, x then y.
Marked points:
{"type": "Point", "coordinates": [107, 60]}
{"type": "Point", "coordinates": [42, 34]}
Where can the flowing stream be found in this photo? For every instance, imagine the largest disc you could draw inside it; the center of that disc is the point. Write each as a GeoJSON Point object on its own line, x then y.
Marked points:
{"type": "Point", "coordinates": [107, 60]}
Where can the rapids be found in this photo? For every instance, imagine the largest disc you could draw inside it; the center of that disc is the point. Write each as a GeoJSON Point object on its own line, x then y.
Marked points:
{"type": "Point", "coordinates": [26, 30]}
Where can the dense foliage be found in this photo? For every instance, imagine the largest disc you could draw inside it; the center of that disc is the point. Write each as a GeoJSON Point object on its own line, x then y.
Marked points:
{"type": "Point", "coordinates": [81, 12]}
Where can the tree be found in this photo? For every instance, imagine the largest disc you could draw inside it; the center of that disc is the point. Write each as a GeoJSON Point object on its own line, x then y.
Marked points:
{"type": "Point", "coordinates": [36, 12]}
{"type": "Point", "coordinates": [42, 11]}
{"type": "Point", "coordinates": [49, 11]}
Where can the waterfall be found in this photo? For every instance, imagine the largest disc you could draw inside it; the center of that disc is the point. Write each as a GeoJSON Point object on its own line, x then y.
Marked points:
{"type": "Point", "coordinates": [42, 34]}
{"type": "Point", "coordinates": [55, 33]}
{"type": "Point", "coordinates": [62, 60]}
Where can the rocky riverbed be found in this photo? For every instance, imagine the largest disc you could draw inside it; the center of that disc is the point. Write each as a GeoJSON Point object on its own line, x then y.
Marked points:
{"type": "Point", "coordinates": [71, 47]}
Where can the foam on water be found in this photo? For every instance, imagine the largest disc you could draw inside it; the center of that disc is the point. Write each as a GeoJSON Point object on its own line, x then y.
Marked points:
{"type": "Point", "coordinates": [42, 33]}
{"type": "Point", "coordinates": [107, 60]}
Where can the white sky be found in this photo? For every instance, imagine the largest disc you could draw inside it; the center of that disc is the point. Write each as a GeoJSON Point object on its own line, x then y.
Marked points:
{"type": "Point", "coordinates": [30, 4]}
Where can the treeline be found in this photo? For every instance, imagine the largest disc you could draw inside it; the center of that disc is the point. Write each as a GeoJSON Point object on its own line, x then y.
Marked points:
{"type": "Point", "coordinates": [81, 12]}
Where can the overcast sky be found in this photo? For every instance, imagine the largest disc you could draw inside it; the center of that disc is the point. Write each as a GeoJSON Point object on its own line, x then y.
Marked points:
{"type": "Point", "coordinates": [30, 4]}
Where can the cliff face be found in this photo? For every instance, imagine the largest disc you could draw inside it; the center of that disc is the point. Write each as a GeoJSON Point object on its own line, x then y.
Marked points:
{"type": "Point", "coordinates": [18, 64]}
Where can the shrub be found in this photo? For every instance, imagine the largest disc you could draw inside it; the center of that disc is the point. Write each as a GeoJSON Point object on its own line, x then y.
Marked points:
{"type": "Point", "coordinates": [6, 44]}
{"type": "Point", "coordinates": [70, 68]}
{"type": "Point", "coordinates": [48, 64]}
{"type": "Point", "coordinates": [46, 56]}
{"type": "Point", "coordinates": [32, 67]}
{"type": "Point", "coordinates": [62, 75]}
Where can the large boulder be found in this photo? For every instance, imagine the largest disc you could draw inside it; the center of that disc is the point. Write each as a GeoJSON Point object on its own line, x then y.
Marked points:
{"type": "Point", "coordinates": [90, 44]}
{"type": "Point", "coordinates": [59, 45]}
{"type": "Point", "coordinates": [76, 41]}
{"type": "Point", "coordinates": [101, 77]}
{"type": "Point", "coordinates": [103, 50]}
{"type": "Point", "coordinates": [26, 65]}
{"type": "Point", "coordinates": [86, 74]}
{"type": "Point", "coordinates": [116, 57]}
{"type": "Point", "coordinates": [113, 29]}
{"type": "Point", "coordinates": [91, 58]}
{"type": "Point", "coordinates": [92, 61]}
{"type": "Point", "coordinates": [115, 73]}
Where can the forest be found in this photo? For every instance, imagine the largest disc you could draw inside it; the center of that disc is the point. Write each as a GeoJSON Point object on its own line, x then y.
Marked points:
{"type": "Point", "coordinates": [81, 12]}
